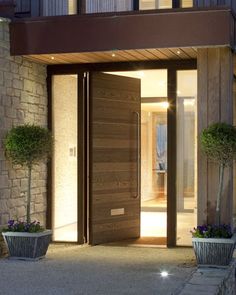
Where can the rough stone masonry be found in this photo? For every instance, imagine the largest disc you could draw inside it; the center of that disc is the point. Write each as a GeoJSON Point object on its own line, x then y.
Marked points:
{"type": "Point", "coordinates": [23, 99]}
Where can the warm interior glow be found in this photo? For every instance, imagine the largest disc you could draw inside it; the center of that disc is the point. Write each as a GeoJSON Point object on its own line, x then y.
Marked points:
{"type": "Point", "coordinates": [153, 82]}
{"type": "Point", "coordinates": [64, 93]}
{"type": "Point", "coordinates": [72, 6]}
{"type": "Point", "coordinates": [186, 155]}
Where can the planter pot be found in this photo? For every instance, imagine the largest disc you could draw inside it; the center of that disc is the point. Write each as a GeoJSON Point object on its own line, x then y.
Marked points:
{"type": "Point", "coordinates": [27, 246]}
{"type": "Point", "coordinates": [214, 252]}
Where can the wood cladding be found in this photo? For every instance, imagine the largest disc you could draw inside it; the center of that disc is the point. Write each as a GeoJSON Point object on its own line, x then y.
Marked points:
{"type": "Point", "coordinates": [120, 55]}
{"type": "Point", "coordinates": [215, 103]}
{"type": "Point", "coordinates": [113, 158]}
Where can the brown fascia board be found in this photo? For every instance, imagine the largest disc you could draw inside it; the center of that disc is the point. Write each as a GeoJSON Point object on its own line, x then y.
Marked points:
{"type": "Point", "coordinates": [90, 33]}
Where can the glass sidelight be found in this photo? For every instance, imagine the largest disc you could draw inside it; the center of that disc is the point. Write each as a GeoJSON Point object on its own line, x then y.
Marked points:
{"type": "Point", "coordinates": [64, 167]}
{"type": "Point", "coordinates": [186, 155]}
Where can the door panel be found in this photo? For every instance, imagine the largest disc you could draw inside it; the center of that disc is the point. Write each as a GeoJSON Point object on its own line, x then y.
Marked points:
{"type": "Point", "coordinates": [114, 157]}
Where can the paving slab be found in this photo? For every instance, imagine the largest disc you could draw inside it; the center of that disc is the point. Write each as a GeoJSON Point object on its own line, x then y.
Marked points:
{"type": "Point", "coordinates": [102, 270]}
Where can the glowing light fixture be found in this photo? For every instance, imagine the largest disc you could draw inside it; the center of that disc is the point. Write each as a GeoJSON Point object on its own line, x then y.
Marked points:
{"type": "Point", "coordinates": [52, 57]}
{"type": "Point", "coordinates": [113, 55]}
{"type": "Point", "coordinates": [164, 274]}
{"type": "Point", "coordinates": [178, 52]}
{"type": "Point", "coordinates": [164, 104]}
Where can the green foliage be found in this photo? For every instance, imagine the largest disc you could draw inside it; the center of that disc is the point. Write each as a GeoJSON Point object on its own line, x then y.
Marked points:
{"type": "Point", "coordinates": [21, 226]}
{"type": "Point", "coordinates": [212, 231]}
{"type": "Point", "coordinates": [28, 144]}
{"type": "Point", "coordinates": [218, 141]}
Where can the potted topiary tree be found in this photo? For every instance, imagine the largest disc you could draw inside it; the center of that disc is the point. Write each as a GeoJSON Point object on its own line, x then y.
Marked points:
{"type": "Point", "coordinates": [27, 145]}
{"type": "Point", "coordinates": [214, 243]}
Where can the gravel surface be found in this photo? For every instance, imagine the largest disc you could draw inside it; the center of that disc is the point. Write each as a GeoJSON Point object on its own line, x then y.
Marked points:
{"type": "Point", "coordinates": [105, 270]}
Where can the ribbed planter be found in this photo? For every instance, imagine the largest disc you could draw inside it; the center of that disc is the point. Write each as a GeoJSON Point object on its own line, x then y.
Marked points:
{"type": "Point", "coordinates": [27, 246]}
{"type": "Point", "coordinates": [214, 252]}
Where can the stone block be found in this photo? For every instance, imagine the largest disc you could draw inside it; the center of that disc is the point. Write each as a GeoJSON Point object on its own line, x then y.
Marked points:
{"type": "Point", "coordinates": [5, 193]}
{"type": "Point", "coordinates": [24, 72]}
{"type": "Point", "coordinates": [20, 115]}
{"type": "Point", "coordinates": [20, 173]}
{"type": "Point", "coordinates": [6, 99]}
{"type": "Point", "coordinates": [15, 192]}
{"type": "Point", "coordinates": [4, 64]}
{"type": "Point", "coordinates": [16, 183]}
{"type": "Point", "coordinates": [40, 89]}
{"type": "Point", "coordinates": [14, 67]}
{"type": "Point", "coordinates": [10, 112]}
{"type": "Point", "coordinates": [40, 208]}
{"type": "Point", "coordinates": [18, 59]}
{"type": "Point", "coordinates": [1, 78]}
{"type": "Point", "coordinates": [24, 184]}
{"type": "Point", "coordinates": [21, 212]}
{"type": "Point", "coordinates": [3, 181]}
{"type": "Point", "coordinates": [3, 206]}
{"type": "Point", "coordinates": [4, 218]}
{"type": "Point", "coordinates": [29, 85]}
{"type": "Point", "coordinates": [17, 84]}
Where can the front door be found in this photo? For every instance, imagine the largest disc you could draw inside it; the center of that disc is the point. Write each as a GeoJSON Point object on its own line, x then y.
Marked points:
{"type": "Point", "coordinates": [114, 158]}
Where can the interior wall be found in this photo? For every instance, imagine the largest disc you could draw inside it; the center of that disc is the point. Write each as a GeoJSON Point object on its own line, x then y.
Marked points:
{"type": "Point", "coordinates": [64, 171]}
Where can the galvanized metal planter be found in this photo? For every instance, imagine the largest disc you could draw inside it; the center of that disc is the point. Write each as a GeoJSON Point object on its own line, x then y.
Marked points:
{"type": "Point", "coordinates": [214, 252]}
{"type": "Point", "coordinates": [27, 246]}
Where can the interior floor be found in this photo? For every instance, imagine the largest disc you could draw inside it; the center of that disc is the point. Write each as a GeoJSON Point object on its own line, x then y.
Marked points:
{"type": "Point", "coordinates": [154, 222]}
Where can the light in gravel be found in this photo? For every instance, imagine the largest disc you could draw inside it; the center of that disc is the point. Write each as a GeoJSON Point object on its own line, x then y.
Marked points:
{"type": "Point", "coordinates": [164, 274]}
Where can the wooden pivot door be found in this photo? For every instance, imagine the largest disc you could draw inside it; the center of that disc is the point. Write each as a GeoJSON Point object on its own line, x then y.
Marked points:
{"type": "Point", "coordinates": [114, 158]}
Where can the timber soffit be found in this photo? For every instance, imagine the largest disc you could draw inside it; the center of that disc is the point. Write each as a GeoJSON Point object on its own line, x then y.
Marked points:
{"type": "Point", "coordinates": [121, 37]}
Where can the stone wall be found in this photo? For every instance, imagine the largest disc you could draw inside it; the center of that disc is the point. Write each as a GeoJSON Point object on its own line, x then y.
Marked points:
{"type": "Point", "coordinates": [23, 99]}
{"type": "Point", "coordinates": [211, 281]}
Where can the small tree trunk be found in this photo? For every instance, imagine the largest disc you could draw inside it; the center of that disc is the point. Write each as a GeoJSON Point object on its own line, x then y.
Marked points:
{"type": "Point", "coordinates": [29, 192]}
{"type": "Point", "coordinates": [219, 195]}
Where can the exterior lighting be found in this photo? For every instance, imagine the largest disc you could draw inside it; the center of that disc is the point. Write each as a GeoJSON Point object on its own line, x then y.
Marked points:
{"type": "Point", "coordinates": [52, 57]}
{"type": "Point", "coordinates": [164, 274]}
{"type": "Point", "coordinates": [178, 52]}
{"type": "Point", "coordinates": [113, 55]}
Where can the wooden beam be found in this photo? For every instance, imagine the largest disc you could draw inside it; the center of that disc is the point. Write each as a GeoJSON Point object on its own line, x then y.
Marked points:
{"type": "Point", "coordinates": [125, 31]}
{"type": "Point", "coordinates": [171, 158]}
{"type": "Point", "coordinates": [81, 6]}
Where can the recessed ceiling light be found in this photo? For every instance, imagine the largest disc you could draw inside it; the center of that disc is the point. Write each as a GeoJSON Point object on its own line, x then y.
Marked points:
{"type": "Point", "coordinates": [113, 55]}
{"type": "Point", "coordinates": [140, 74]}
{"type": "Point", "coordinates": [178, 52]}
{"type": "Point", "coordinates": [52, 57]}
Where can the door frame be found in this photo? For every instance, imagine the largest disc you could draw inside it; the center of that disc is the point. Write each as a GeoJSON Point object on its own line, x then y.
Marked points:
{"type": "Point", "coordinates": [83, 70]}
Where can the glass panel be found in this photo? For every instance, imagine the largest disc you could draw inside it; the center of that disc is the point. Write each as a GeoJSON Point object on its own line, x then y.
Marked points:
{"type": "Point", "coordinates": [155, 4]}
{"type": "Point", "coordinates": [153, 82]}
{"type": "Point", "coordinates": [186, 3]}
{"type": "Point", "coordinates": [186, 155]}
{"type": "Point", "coordinates": [154, 170]}
{"type": "Point", "coordinates": [95, 6]}
{"type": "Point", "coordinates": [64, 171]}
{"type": "Point", "coordinates": [72, 6]}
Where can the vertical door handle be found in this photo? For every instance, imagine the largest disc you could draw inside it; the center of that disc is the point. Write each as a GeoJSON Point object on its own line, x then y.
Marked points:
{"type": "Point", "coordinates": [138, 156]}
